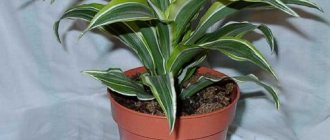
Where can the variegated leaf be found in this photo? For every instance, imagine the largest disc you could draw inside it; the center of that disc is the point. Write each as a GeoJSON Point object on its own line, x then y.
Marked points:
{"type": "Point", "coordinates": [162, 87]}
{"type": "Point", "coordinates": [158, 11]}
{"type": "Point", "coordinates": [307, 3]}
{"type": "Point", "coordinates": [240, 50]}
{"type": "Point", "coordinates": [122, 11]}
{"type": "Point", "coordinates": [182, 12]}
{"type": "Point", "coordinates": [190, 69]}
{"type": "Point", "coordinates": [275, 3]}
{"type": "Point", "coordinates": [200, 84]}
{"type": "Point", "coordinates": [181, 57]}
{"type": "Point", "coordinates": [129, 33]}
{"type": "Point", "coordinates": [150, 38]}
{"type": "Point", "coordinates": [115, 80]}
{"type": "Point", "coordinates": [165, 35]}
{"type": "Point", "coordinates": [238, 29]}
{"type": "Point", "coordinates": [84, 12]}
{"type": "Point", "coordinates": [161, 4]}
{"type": "Point", "coordinates": [218, 10]}
{"type": "Point", "coordinates": [268, 88]}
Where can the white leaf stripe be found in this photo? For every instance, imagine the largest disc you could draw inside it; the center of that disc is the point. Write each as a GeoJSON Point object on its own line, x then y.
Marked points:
{"type": "Point", "coordinates": [180, 56]}
{"type": "Point", "coordinates": [160, 14]}
{"type": "Point", "coordinates": [277, 4]}
{"type": "Point", "coordinates": [134, 10]}
{"type": "Point", "coordinates": [189, 69]}
{"type": "Point", "coordinates": [145, 49]}
{"type": "Point", "coordinates": [151, 42]}
{"type": "Point", "coordinates": [269, 36]}
{"type": "Point", "coordinates": [304, 3]}
{"type": "Point", "coordinates": [182, 12]}
{"type": "Point", "coordinates": [216, 12]}
{"type": "Point", "coordinates": [200, 84]}
{"type": "Point", "coordinates": [164, 31]}
{"type": "Point", "coordinates": [240, 50]}
{"type": "Point", "coordinates": [238, 29]}
{"type": "Point", "coordinates": [161, 4]}
{"type": "Point", "coordinates": [84, 12]}
{"type": "Point", "coordinates": [115, 80]}
{"type": "Point", "coordinates": [134, 40]}
{"type": "Point", "coordinates": [270, 89]}
{"type": "Point", "coordinates": [162, 87]}
{"type": "Point", "coordinates": [88, 7]}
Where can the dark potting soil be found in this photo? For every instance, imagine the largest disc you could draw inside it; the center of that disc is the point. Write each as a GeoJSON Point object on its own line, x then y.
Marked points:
{"type": "Point", "coordinates": [207, 100]}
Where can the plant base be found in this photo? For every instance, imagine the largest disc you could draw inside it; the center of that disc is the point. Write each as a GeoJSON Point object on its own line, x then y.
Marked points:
{"type": "Point", "coordinates": [139, 126]}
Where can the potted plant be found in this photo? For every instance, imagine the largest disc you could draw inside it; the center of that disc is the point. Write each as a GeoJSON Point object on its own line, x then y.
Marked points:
{"type": "Point", "coordinates": [163, 99]}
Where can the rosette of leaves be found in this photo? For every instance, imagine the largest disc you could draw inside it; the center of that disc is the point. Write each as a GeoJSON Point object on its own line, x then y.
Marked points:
{"type": "Point", "coordinates": [161, 34]}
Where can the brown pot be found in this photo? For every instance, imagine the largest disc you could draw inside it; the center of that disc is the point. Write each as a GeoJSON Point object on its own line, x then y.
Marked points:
{"type": "Point", "coordinates": [139, 126]}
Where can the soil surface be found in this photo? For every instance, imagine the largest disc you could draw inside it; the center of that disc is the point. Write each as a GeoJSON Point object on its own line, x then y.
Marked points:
{"type": "Point", "coordinates": [207, 100]}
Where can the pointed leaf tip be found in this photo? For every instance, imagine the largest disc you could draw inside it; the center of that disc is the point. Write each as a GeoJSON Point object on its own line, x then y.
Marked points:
{"type": "Point", "coordinates": [268, 88]}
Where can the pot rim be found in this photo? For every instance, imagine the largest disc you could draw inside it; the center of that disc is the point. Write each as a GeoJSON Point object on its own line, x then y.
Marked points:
{"type": "Point", "coordinates": [232, 104]}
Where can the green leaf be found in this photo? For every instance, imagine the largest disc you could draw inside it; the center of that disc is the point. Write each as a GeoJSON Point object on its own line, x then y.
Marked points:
{"type": "Point", "coordinates": [115, 80]}
{"type": "Point", "coordinates": [189, 70]}
{"type": "Point", "coordinates": [130, 34]}
{"type": "Point", "coordinates": [182, 12]}
{"type": "Point", "coordinates": [277, 4]}
{"type": "Point", "coordinates": [239, 50]}
{"type": "Point", "coordinates": [159, 12]}
{"type": "Point", "coordinates": [84, 12]}
{"type": "Point", "coordinates": [239, 29]}
{"type": "Point", "coordinates": [161, 4]}
{"type": "Point", "coordinates": [200, 84]}
{"type": "Point", "coordinates": [217, 11]}
{"type": "Point", "coordinates": [181, 57]}
{"type": "Point", "coordinates": [162, 87]}
{"type": "Point", "coordinates": [151, 42]}
{"type": "Point", "coordinates": [122, 11]}
{"type": "Point", "coordinates": [165, 35]}
{"type": "Point", "coordinates": [304, 3]}
{"type": "Point", "coordinates": [269, 36]}
{"type": "Point", "coordinates": [268, 88]}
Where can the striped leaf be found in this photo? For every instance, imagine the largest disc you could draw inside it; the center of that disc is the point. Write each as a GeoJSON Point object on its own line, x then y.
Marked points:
{"type": "Point", "coordinates": [150, 37]}
{"type": "Point", "coordinates": [304, 3]}
{"type": "Point", "coordinates": [144, 39]}
{"type": "Point", "coordinates": [235, 48]}
{"type": "Point", "coordinates": [129, 33]}
{"type": "Point", "coordinates": [190, 69]}
{"type": "Point", "coordinates": [182, 12]}
{"type": "Point", "coordinates": [162, 87]}
{"type": "Point", "coordinates": [122, 11]}
{"type": "Point", "coordinates": [165, 38]}
{"type": "Point", "coordinates": [83, 12]}
{"type": "Point", "coordinates": [222, 9]}
{"type": "Point", "coordinates": [181, 57]}
{"type": "Point", "coordinates": [275, 3]}
{"type": "Point", "coordinates": [237, 30]}
{"type": "Point", "coordinates": [158, 11]}
{"type": "Point", "coordinates": [217, 11]}
{"type": "Point", "coordinates": [268, 88]}
{"type": "Point", "coordinates": [200, 84]}
{"type": "Point", "coordinates": [239, 50]}
{"type": "Point", "coordinates": [115, 80]}
{"type": "Point", "coordinates": [161, 4]}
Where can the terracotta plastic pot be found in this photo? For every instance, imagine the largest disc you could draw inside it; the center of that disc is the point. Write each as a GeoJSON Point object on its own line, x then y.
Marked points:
{"type": "Point", "coordinates": [139, 126]}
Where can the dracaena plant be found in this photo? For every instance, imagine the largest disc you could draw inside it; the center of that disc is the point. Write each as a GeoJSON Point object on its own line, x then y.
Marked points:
{"type": "Point", "coordinates": [161, 34]}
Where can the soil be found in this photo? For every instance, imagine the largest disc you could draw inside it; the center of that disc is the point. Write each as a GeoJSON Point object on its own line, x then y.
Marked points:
{"type": "Point", "coordinates": [209, 99]}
